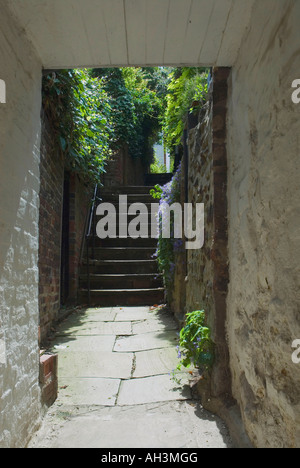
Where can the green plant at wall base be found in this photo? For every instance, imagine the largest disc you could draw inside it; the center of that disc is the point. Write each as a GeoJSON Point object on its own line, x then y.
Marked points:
{"type": "Point", "coordinates": [195, 345]}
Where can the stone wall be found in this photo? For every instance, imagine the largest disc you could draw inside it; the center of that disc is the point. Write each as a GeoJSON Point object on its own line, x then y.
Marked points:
{"type": "Point", "coordinates": [207, 268]}
{"type": "Point", "coordinates": [19, 214]}
{"type": "Point", "coordinates": [263, 197]}
{"type": "Point", "coordinates": [200, 267]}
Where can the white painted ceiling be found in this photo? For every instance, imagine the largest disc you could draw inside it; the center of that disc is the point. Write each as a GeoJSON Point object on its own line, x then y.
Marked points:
{"type": "Point", "coordinates": [94, 33]}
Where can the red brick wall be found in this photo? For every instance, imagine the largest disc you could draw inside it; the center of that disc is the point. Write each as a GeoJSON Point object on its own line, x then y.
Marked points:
{"type": "Point", "coordinates": [52, 170]}
{"type": "Point", "coordinates": [51, 198]}
{"type": "Point", "coordinates": [122, 169]}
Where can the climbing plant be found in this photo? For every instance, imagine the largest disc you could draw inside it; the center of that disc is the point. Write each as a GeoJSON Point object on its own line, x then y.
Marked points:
{"type": "Point", "coordinates": [93, 112]}
{"type": "Point", "coordinates": [136, 108]}
{"type": "Point", "coordinates": [186, 92]}
{"type": "Point", "coordinates": [79, 110]}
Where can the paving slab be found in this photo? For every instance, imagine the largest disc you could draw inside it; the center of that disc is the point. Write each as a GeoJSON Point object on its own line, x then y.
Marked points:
{"type": "Point", "coordinates": [82, 316]}
{"type": "Point", "coordinates": [154, 324]}
{"type": "Point", "coordinates": [155, 362]}
{"type": "Point", "coordinates": [131, 314]}
{"type": "Point", "coordinates": [152, 389]}
{"type": "Point", "coordinates": [115, 387]}
{"type": "Point", "coordinates": [83, 343]}
{"type": "Point", "coordinates": [158, 425]}
{"type": "Point", "coordinates": [94, 364]}
{"type": "Point", "coordinates": [88, 391]}
{"type": "Point", "coordinates": [105, 314]}
{"type": "Point", "coordinates": [146, 341]}
{"type": "Point", "coordinates": [97, 328]}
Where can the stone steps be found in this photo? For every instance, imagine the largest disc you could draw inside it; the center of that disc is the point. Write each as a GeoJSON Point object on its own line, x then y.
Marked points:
{"type": "Point", "coordinates": [128, 281]}
{"type": "Point", "coordinates": [127, 242]}
{"type": "Point", "coordinates": [121, 253]}
{"type": "Point", "coordinates": [123, 297]}
{"type": "Point", "coordinates": [131, 198]}
{"type": "Point", "coordinates": [122, 270]}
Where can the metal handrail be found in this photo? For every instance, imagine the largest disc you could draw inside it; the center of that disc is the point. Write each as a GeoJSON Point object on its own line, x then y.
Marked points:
{"type": "Point", "coordinates": [90, 232]}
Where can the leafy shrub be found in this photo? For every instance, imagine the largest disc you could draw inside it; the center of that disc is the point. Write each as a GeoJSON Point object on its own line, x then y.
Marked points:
{"type": "Point", "coordinates": [79, 110]}
{"type": "Point", "coordinates": [187, 91]}
{"type": "Point", "coordinates": [136, 108]}
{"type": "Point", "coordinates": [195, 344]}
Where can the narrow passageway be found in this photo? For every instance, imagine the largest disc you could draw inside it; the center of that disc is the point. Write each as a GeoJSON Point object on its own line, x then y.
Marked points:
{"type": "Point", "coordinates": [115, 387]}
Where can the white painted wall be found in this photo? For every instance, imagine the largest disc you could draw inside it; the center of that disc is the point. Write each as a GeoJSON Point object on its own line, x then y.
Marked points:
{"type": "Point", "coordinates": [264, 213]}
{"type": "Point", "coordinates": [19, 187]}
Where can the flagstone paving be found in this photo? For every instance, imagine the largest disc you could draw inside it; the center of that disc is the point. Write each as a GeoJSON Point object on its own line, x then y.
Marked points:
{"type": "Point", "coordinates": [115, 387]}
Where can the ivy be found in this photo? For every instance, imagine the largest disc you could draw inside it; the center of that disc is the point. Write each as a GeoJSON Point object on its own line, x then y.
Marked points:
{"type": "Point", "coordinates": [95, 112]}
{"type": "Point", "coordinates": [186, 92]}
{"type": "Point", "coordinates": [137, 108]}
{"type": "Point", "coordinates": [79, 109]}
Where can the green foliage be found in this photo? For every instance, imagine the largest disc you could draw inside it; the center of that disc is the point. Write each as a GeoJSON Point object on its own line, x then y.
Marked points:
{"type": "Point", "coordinates": [137, 108]}
{"type": "Point", "coordinates": [157, 192]}
{"type": "Point", "coordinates": [187, 91]}
{"type": "Point", "coordinates": [79, 110]}
{"type": "Point", "coordinates": [94, 112]}
{"type": "Point", "coordinates": [156, 167]}
{"type": "Point", "coordinates": [195, 345]}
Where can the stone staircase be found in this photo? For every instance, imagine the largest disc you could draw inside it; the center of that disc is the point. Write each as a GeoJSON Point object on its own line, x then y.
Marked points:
{"type": "Point", "coordinates": [122, 270]}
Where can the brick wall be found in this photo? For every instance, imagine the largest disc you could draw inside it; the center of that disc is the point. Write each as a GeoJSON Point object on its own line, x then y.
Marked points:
{"type": "Point", "coordinates": [122, 169]}
{"type": "Point", "coordinates": [53, 174]}
{"type": "Point", "coordinates": [51, 202]}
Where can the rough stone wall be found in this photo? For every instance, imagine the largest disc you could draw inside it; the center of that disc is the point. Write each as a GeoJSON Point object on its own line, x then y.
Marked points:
{"type": "Point", "coordinates": [199, 286]}
{"type": "Point", "coordinates": [207, 268]}
{"type": "Point", "coordinates": [263, 196]}
{"type": "Point", "coordinates": [19, 214]}
{"type": "Point", "coordinates": [176, 295]}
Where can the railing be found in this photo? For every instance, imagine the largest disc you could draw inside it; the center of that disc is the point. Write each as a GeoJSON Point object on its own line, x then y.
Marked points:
{"type": "Point", "coordinates": [90, 235]}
